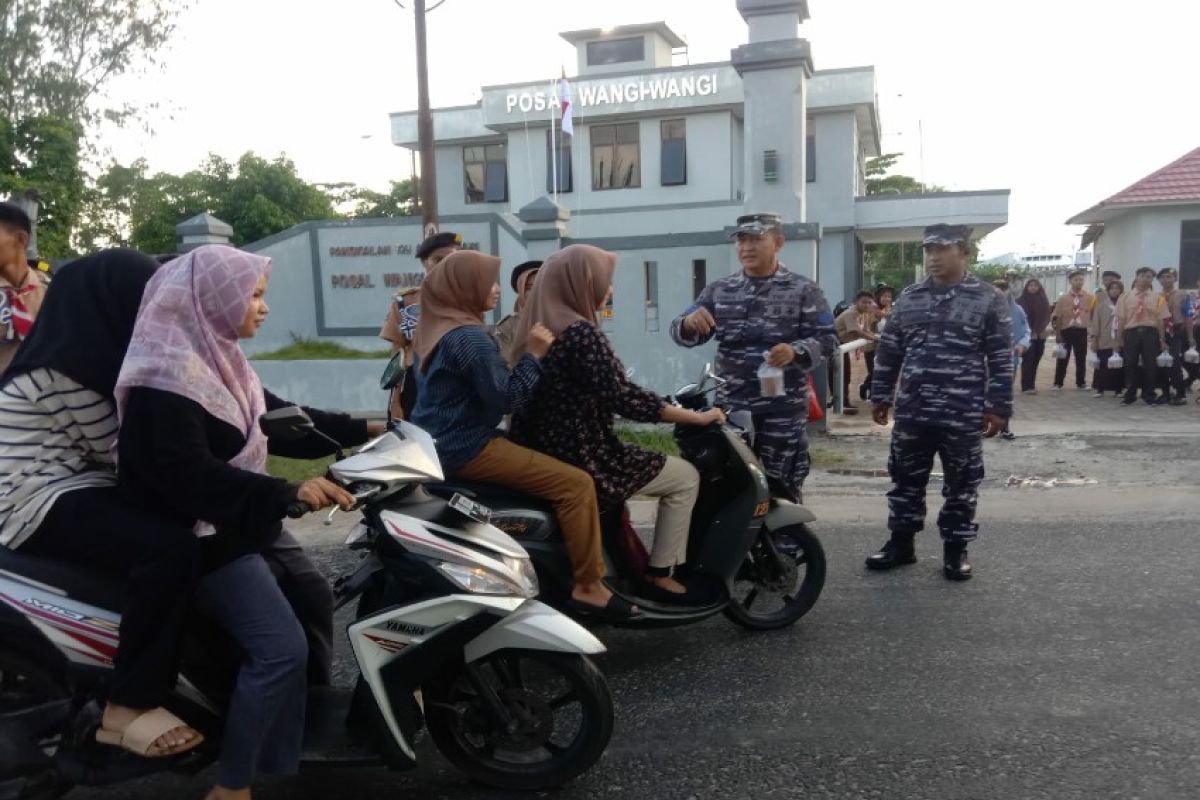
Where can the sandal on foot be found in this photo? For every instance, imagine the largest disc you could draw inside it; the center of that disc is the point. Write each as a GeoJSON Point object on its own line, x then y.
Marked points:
{"type": "Point", "coordinates": [617, 609]}
{"type": "Point", "coordinates": [141, 734]}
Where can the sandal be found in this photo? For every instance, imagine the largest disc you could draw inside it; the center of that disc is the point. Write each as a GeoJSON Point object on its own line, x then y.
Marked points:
{"type": "Point", "coordinates": [141, 734]}
{"type": "Point", "coordinates": [617, 609]}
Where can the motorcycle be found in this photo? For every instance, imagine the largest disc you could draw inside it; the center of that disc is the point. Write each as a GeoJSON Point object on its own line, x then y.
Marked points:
{"type": "Point", "coordinates": [751, 552]}
{"type": "Point", "coordinates": [447, 636]}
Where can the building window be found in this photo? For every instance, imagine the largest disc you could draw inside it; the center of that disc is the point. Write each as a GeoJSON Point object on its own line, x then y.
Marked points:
{"type": "Point", "coordinates": [651, 274]}
{"type": "Point", "coordinates": [485, 173]}
{"type": "Point", "coordinates": [616, 51]}
{"type": "Point", "coordinates": [616, 156]}
{"type": "Point", "coordinates": [1189, 253]}
{"type": "Point", "coordinates": [674, 152]}
{"type": "Point", "coordinates": [563, 145]}
{"type": "Point", "coordinates": [810, 158]}
{"type": "Point", "coordinates": [699, 276]}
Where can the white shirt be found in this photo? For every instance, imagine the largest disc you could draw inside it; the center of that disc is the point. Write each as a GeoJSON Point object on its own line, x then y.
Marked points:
{"type": "Point", "coordinates": [55, 436]}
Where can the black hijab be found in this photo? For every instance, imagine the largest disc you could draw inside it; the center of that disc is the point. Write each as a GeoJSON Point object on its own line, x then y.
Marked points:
{"type": "Point", "coordinates": [86, 319]}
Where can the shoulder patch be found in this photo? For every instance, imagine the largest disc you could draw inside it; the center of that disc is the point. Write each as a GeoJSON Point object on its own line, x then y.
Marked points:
{"type": "Point", "coordinates": [825, 318]}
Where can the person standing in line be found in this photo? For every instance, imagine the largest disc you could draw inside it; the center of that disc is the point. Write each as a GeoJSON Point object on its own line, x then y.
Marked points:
{"type": "Point", "coordinates": [852, 324]}
{"type": "Point", "coordinates": [1020, 340]}
{"type": "Point", "coordinates": [522, 280]}
{"type": "Point", "coordinates": [21, 287]}
{"type": "Point", "coordinates": [1071, 317]}
{"type": "Point", "coordinates": [948, 348]}
{"type": "Point", "coordinates": [1140, 336]}
{"type": "Point", "coordinates": [1036, 305]}
{"type": "Point", "coordinates": [1177, 337]}
{"type": "Point", "coordinates": [1102, 338]}
{"type": "Point", "coordinates": [1106, 279]}
{"type": "Point", "coordinates": [403, 314]}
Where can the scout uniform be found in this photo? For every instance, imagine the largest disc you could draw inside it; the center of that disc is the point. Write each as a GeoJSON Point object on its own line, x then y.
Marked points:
{"type": "Point", "coordinates": [19, 306]}
{"type": "Point", "coordinates": [1140, 331]}
{"type": "Point", "coordinates": [945, 359]}
{"type": "Point", "coordinates": [752, 316]}
{"type": "Point", "coordinates": [1178, 339]}
{"type": "Point", "coordinates": [1072, 316]}
{"type": "Point", "coordinates": [506, 328]}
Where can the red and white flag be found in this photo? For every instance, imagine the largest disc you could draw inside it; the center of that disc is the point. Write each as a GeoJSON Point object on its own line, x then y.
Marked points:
{"type": "Point", "coordinates": [568, 107]}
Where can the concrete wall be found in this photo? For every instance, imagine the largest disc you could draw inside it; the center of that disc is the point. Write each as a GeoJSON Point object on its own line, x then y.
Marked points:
{"type": "Point", "coordinates": [1147, 237]}
{"type": "Point", "coordinates": [831, 195]}
{"type": "Point", "coordinates": [351, 386]}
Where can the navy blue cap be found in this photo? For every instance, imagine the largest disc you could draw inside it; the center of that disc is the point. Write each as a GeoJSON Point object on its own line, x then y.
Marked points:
{"type": "Point", "coordinates": [521, 269]}
{"type": "Point", "coordinates": [758, 224]}
{"type": "Point", "coordinates": [947, 234]}
{"type": "Point", "coordinates": [437, 242]}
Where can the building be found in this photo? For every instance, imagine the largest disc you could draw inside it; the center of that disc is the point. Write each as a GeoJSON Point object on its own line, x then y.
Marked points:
{"type": "Point", "coordinates": [1153, 223]}
{"type": "Point", "coordinates": [663, 158]}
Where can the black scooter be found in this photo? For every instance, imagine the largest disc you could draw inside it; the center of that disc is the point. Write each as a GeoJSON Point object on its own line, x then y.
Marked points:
{"type": "Point", "coordinates": [751, 553]}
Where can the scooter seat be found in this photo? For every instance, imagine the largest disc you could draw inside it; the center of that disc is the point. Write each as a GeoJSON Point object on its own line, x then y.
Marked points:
{"type": "Point", "coordinates": [96, 588]}
{"type": "Point", "coordinates": [492, 495]}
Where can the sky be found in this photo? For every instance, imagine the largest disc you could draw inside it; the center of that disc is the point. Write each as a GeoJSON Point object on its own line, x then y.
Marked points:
{"type": "Point", "coordinates": [1064, 102]}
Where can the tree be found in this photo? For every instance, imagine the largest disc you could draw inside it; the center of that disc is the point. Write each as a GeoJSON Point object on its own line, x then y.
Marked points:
{"type": "Point", "coordinates": [42, 153]}
{"type": "Point", "coordinates": [57, 57]}
{"type": "Point", "coordinates": [401, 201]}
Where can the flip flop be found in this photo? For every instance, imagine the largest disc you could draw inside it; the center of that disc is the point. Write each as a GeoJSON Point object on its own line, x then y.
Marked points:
{"type": "Point", "coordinates": [617, 609]}
{"type": "Point", "coordinates": [139, 737]}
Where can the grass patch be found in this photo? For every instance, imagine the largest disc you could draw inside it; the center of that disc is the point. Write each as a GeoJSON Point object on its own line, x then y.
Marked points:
{"type": "Point", "coordinates": [825, 457]}
{"type": "Point", "coordinates": [660, 441]}
{"type": "Point", "coordinates": [311, 350]}
{"type": "Point", "coordinates": [297, 470]}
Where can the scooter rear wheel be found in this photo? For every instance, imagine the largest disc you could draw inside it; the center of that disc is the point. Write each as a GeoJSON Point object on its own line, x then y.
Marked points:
{"type": "Point", "coordinates": [561, 712]}
{"type": "Point", "coordinates": [780, 580]}
{"type": "Point", "coordinates": [23, 687]}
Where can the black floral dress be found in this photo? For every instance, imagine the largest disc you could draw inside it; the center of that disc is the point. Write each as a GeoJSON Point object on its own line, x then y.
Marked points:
{"type": "Point", "coordinates": [571, 414]}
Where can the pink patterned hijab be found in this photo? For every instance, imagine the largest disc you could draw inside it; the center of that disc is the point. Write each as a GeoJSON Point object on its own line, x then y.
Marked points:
{"type": "Point", "coordinates": [186, 341]}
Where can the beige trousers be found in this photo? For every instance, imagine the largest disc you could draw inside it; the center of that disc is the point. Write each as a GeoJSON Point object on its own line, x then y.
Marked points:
{"type": "Point", "coordinates": [676, 487]}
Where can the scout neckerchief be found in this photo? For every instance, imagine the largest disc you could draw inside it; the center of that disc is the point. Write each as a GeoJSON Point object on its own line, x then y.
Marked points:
{"type": "Point", "coordinates": [1140, 313]}
{"type": "Point", "coordinates": [22, 318]}
{"type": "Point", "coordinates": [1076, 307]}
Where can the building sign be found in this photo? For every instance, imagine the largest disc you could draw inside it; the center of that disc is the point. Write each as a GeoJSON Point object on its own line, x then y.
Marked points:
{"type": "Point", "coordinates": [590, 94]}
{"type": "Point", "coordinates": [358, 251]}
{"type": "Point", "coordinates": [391, 280]}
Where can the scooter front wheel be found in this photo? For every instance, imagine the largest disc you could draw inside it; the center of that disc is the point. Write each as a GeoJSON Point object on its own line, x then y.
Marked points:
{"type": "Point", "coordinates": [527, 720]}
{"type": "Point", "coordinates": [780, 580]}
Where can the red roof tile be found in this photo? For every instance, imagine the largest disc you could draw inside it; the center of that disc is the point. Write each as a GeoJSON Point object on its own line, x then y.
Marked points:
{"type": "Point", "coordinates": [1178, 181]}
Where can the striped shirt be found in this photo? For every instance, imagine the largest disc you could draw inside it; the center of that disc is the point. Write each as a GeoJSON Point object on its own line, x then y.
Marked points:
{"type": "Point", "coordinates": [55, 436]}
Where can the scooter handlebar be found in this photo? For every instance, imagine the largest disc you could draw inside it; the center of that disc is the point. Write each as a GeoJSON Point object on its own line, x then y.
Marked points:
{"type": "Point", "coordinates": [297, 509]}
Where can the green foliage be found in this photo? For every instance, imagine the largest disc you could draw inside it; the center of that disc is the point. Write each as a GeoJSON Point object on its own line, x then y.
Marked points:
{"type": "Point", "coordinates": [660, 440]}
{"type": "Point", "coordinates": [42, 153]}
{"type": "Point", "coordinates": [57, 57]}
{"type": "Point", "coordinates": [296, 470]}
{"type": "Point", "coordinates": [311, 350]}
{"type": "Point", "coordinates": [401, 201]}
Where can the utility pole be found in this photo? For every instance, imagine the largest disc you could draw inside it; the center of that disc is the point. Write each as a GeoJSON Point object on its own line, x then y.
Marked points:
{"type": "Point", "coordinates": [428, 185]}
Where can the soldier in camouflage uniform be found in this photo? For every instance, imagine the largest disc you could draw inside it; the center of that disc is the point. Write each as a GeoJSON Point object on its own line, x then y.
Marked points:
{"type": "Point", "coordinates": [765, 309]}
{"type": "Point", "coordinates": [949, 346]}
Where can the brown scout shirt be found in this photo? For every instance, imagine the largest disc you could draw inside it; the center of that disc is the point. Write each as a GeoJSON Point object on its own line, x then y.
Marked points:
{"type": "Point", "coordinates": [10, 340]}
{"type": "Point", "coordinates": [1064, 315]}
{"type": "Point", "coordinates": [1154, 311]}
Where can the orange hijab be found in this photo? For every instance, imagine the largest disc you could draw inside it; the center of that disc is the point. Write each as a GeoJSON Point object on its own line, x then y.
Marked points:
{"type": "Point", "coordinates": [454, 294]}
{"type": "Point", "coordinates": [570, 286]}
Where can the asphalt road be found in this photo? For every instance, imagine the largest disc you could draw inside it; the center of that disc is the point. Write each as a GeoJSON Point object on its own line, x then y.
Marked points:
{"type": "Point", "coordinates": [1065, 669]}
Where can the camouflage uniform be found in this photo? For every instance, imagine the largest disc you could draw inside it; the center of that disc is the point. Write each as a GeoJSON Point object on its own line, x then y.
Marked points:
{"type": "Point", "coordinates": [950, 349]}
{"type": "Point", "coordinates": [753, 315]}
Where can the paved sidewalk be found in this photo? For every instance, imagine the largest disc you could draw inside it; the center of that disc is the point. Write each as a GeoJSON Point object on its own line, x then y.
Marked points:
{"type": "Point", "coordinates": [1050, 412]}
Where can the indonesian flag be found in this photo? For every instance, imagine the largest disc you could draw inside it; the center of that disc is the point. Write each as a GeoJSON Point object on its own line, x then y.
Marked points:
{"type": "Point", "coordinates": [564, 99]}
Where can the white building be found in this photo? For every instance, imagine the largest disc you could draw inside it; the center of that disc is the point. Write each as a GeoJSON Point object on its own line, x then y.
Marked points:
{"type": "Point", "coordinates": [663, 159]}
{"type": "Point", "coordinates": [1153, 223]}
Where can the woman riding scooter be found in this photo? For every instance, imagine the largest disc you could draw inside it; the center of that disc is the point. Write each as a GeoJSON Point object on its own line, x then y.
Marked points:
{"type": "Point", "coordinates": [583, 387]}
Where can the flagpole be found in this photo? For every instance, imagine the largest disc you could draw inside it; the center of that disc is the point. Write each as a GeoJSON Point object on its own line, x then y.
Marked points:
{"type": "Point", "coordinates": [554, 154]}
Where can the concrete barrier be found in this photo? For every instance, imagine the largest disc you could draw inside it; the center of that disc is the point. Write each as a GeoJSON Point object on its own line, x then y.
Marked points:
{"type": "Point", "coordinates": [336, 385]}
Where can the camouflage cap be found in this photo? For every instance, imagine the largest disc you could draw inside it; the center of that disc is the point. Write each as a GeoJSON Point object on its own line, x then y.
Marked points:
{"type": "Point", "coordinates": [757, 224]}
{"type": "Point", "coordinates": [947, 234]}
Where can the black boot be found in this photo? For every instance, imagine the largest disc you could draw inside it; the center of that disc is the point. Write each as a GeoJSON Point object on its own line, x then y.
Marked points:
{"type": "Point", "coordinates": [896, 553]}
{"type": "Point", "coordinates": [954, 561]}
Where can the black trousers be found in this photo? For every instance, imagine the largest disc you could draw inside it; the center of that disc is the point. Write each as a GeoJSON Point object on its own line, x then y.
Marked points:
{"type": "Point", "coordinates": [1029, 363]}
{"type": "Point", "coordinates": [311, 597]}
{"type": "Point", "coordinates": [869, 359]}
{"type": "Point", "coordinates": [1171, 378]}
{"type": "Point", "coordinates": [1075, 340]}
{"type": "Point", "coordinates": [1105, 379]}
{"type": "Point", "coordinates": [161, 563]}
{"type": "Point", "coordinates": [1140, 349]}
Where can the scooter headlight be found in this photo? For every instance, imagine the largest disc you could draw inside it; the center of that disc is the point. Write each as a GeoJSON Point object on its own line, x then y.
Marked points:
{"type": "Point", "coordinates": [524, 568]}
{"type": "Point", "coordinates": [480, 580]}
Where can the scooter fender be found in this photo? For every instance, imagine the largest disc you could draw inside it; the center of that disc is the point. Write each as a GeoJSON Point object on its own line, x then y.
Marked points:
{"type": "Point", "coordinates": [534, 626]}
{"type": "Point", "coordinates": [785, 512]}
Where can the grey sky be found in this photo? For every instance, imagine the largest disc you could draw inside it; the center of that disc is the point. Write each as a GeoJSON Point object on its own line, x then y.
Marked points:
{"type": "Point", "coordinates": [1063, 101]}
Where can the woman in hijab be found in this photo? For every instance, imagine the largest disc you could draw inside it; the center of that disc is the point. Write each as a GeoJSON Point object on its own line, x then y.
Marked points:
{"type": "Point", "coordinates": [59, 423]}
{"type": "Point", "coordinates": [1102, 338]}
{"type": "Point", "coordinates": [584, 385]}
{"type": "Point", "coordinates": [465, 388]}
{"type": "Point", "coordinates": [1036, 305]}
{"type": "Point", "coordinates": [190, 448]}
